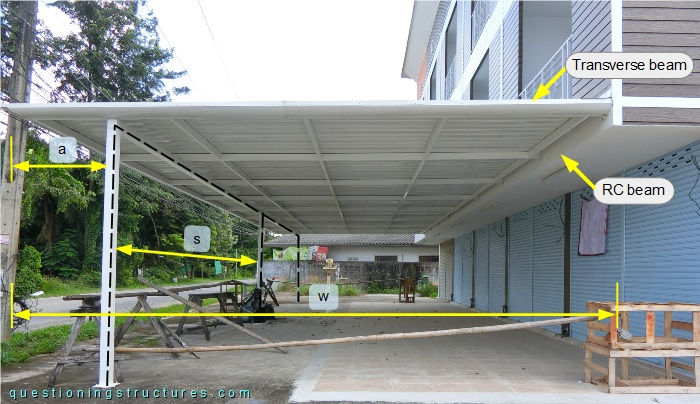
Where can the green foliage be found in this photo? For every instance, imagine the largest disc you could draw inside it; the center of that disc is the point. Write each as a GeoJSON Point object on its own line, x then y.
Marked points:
{"type": "Point", "coordinates": [52, 198]}
{"type": "Point", "coordinates": [28, 277]}
{"type": "Point", "coordinates": [379, 288]}
{"type": "Point", "coordinates": [349, 290]}
{"type": "Point", "coordinates": [112, 55]}
{"type": "Point", "coordinates": [343, 290]}
{"type": "Point", "coordinates": [159, 273]}
{"type": "Point", "coordinates": [91, 278]}
{"type": "Point", "coordinates": [92, 237]}
{"type": "Point", "coordinates": [428, 290]}
{"type": "Point", "coordinates": [62, 259]}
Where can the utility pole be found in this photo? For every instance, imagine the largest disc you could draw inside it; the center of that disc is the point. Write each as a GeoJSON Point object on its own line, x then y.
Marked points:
{"type": "Point", "coordinates": [11, 201]}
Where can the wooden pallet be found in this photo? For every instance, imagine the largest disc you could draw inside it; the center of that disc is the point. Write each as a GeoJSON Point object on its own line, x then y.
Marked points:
{"type": "Point", "coordinates": [603, 340]}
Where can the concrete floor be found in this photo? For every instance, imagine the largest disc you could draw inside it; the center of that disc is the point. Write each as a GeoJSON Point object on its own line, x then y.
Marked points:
{"type": "Point", "coordinates": [505, 367]}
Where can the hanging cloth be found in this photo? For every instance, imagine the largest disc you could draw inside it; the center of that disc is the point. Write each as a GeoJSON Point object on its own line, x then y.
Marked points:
{"type": "Point", "coordinates": [594, 228]}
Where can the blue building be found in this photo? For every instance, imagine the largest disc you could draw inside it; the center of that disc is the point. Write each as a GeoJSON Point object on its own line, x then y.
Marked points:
{"type": "Point", "coordinates": [514, 245]}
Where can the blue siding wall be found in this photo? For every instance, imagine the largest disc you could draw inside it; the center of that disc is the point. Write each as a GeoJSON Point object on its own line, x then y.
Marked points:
{"type": "Point", "coordinates": [593, 277]}
{"type": "Point", "coordinates": [467, 268]}
{"type": "Point", "coordinates": [548, 258]}
{"type": "Point", "coordinates": [520, 264]}
{"type": "Point", "coordinates": [481, 273]}
{"type": "Point", "coordinates": [652, 250]}
{"type": "Point", "coordinates": [497, 266]}
{"type": "Point", "coordinates": [457, 273]}
{"type": "Point", "coordinates": [662, 260]}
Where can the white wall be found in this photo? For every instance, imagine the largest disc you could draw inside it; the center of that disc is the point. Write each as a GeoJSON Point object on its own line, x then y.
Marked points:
{"type": "Point", "coordinates": [364, 253]}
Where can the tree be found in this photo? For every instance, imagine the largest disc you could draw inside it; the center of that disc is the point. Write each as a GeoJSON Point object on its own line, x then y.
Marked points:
{"type": "Point", "coordinates": [48, 193]}
{"type": "Point", "coordinates": [23, 30]}
{"type": "Point", "coordinates": [114, 56]}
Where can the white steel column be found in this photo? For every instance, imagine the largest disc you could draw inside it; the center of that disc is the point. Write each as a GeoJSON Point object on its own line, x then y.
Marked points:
{"type": "Point", "coordinates": [109, 254]}
{"type": "Point", "coordinates": [261, 242]}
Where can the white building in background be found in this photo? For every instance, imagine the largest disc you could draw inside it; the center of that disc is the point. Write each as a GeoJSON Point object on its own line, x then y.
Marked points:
{"type": "Point", "coordinates": [364, 247]}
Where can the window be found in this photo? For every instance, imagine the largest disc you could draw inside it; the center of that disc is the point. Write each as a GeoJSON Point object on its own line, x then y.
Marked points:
{"type": "Point", "coordinates": [480, 81]}
{"type": "Point", "coordinates": [428, 258]}
{"type": "Point", "coordinates": [433, 85]}
{"type": "Point", "coordinates": [450, 42]}
{"type": "Point", "coordinates": [545, 27]}
{"type": "Point", "coordinates": [386, 258]}
{"type": "Point", "coordinates": [352, 258]}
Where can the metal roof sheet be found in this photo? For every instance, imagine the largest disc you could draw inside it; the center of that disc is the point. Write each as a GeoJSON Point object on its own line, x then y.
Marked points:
{"type": "Point", "coordinates": [332, 167]}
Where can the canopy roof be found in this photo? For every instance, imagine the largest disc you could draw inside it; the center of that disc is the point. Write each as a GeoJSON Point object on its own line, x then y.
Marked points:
{"type": "Point", "coordinates": [329, 240]}
{"type": "Point", "coordinates": [344, 167]}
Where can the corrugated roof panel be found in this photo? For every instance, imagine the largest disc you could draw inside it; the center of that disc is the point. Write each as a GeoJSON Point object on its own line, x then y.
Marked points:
{"type": "Point", "coordinates": [269, 143]}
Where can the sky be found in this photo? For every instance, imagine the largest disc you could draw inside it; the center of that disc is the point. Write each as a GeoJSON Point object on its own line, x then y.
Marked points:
{"type": "Point", "coordinates": [300, 50]}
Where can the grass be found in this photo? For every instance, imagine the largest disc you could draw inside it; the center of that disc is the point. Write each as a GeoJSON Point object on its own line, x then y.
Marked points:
{"type": "Point", "coordinates": [53, 287]}
{"type": "Point", "coordinates": [343, 290]}
{"type": "Point", "coordinates": [428, 290]}
{"type": "Point", "coordinates": [25, 345]}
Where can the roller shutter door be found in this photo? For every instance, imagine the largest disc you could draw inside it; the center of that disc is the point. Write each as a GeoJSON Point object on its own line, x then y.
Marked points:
{"type": "Point", "coordinates": [593, 277]}
{"type": "Point", "coordinates": [520, 264]}
{"type": "Point", "coordinates": [445, 269]}
{"type": "Point", "coordinates": [467, 268]}
{"type": "Point", "coordinates": [662, 259]}
{"type": "Point", "coordinates": [457, 272]}
{"type": "Point", "coordinates": [481, 270]}
{"type": "Point", "coordinates": [497, 266]}
{"type": "Point", "coordinates": [548, 258]}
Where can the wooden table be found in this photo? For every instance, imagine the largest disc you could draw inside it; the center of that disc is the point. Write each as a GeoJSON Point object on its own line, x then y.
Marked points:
{"type": "Point", "coordinates": [90, 303]}
{"type": "Point", "coordinates": [228, 303]}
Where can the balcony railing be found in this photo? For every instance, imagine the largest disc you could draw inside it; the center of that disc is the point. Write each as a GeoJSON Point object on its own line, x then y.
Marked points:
{"type": "Point", "coordinates": [561, 89]}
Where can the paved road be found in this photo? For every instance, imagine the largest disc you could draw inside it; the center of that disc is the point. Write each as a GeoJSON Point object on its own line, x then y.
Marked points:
{"type": "Point", "coordinates": [57, 304]}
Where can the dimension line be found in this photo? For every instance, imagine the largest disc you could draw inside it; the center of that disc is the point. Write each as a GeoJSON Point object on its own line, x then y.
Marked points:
{"type": "Point", "coordinates": [26, 314]}
{"type": "Point", "coordinates": [129, 249]}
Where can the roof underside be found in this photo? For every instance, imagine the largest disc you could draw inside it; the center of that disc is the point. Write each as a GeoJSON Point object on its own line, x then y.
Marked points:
{"type": "Point", "coordinates": [344, 240]}
{"type": "Point", "coordinates": [380, 167]}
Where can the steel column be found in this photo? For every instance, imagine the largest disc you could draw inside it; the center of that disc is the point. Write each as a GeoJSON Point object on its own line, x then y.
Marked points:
{"type": "Point", "coordinates": [298, 264]}
{"type": "Point", "coordinates": [261, 242]}
{"type": "Point", "coordinates": [110, 215]}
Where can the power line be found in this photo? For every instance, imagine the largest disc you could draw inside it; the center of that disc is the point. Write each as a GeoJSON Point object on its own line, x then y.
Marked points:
{"type": "Point", "coordinates": [239, 223]}
{"type": "Point", "coordinates": [218, 53]}
{"type": "Point", "coordinates": [162, 32]}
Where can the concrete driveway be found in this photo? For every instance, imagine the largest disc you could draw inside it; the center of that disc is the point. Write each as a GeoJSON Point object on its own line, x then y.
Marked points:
{"type": "Point", "coordinates": [519, 366]}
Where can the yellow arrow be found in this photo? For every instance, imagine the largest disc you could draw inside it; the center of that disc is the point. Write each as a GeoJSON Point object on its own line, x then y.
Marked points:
{"type": "Point", "coordinates": [572, 165]}
{"type": "Point", "coordinates": [26, 314]}
{"type": "Point", "coordinates": [128, 249]}
{"type": "Point", "coordinates": [93, 166]}
{"type": "Point", "coordinates": [543, 90]}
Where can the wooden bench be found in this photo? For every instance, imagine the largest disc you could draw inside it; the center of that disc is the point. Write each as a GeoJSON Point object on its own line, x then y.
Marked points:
{"type": "Point", "coordinates": [407, 290]}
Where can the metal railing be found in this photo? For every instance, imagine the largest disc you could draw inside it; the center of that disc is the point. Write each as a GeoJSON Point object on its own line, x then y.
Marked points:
{"type": "Point", "coordinates": [561, 89]}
